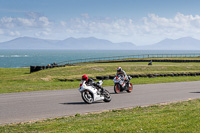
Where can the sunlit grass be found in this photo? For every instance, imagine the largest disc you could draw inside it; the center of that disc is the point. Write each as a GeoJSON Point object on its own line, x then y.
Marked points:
{"type": "Point", "coordinates": [176, 117]}
{"type": "Point", "coordinates": [20, 79]}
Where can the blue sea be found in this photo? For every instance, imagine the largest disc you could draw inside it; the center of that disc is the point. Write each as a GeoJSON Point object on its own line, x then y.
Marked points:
{"type": "Point", "coordinates": [26, 58]}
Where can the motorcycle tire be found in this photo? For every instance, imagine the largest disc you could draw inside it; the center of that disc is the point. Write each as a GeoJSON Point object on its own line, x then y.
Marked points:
{"type": "Point", "coordinates": [107, 96]}
{"type": "Point", "coordinates": [130, 88]}
{"type": "Point", "coordinates": [87, 97]}
{"type": "Point", "coordinates": [117, 88]}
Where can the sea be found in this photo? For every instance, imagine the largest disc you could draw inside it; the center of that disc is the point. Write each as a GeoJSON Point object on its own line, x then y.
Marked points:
{"type": "Point", "coordinates": [27, 58]}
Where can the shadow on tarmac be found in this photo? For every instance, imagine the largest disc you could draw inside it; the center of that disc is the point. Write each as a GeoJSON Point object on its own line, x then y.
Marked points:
{"type": "Point", "coordinates": [81, 103]}
{"type": "Point", "coordinates": [73, 103]}
{"type": "Point", "coordinates": [195, 92]}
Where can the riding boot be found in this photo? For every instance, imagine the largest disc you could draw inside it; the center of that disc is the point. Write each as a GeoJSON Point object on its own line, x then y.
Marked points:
{"type": "Point", "coordinates": [102, 90]}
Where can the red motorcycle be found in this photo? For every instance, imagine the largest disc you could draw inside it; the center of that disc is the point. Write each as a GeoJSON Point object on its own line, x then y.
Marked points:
{"type": "Point", "coordinates": [122, 84]}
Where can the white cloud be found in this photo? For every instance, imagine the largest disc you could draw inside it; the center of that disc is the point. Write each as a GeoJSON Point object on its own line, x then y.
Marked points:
{"type": "Point", "coordinates": [179, 26]}
{"type": "Point", "coordinates": [32, 25]}
{"type": "Point", "coordinates": [6, 20]}
{"type": "Point", "coordinates": [25, 22]}
{"type": "Point", "coordinates": [44, 20]}
{"type": "Point", "coordinates": [43, 33]}
{"type": "Point", "coordinates": [85, 15]}
{"type": "Point", "coordinates": [33, 15]}
{"type": "Point", "coordinates": [14, 33]}
{"type": "Point", "coordinates": [147, 30]}
{"type": "Point", "coordinates": [36, 22]}
{"type": "Point", "coordinates": [63, 23]}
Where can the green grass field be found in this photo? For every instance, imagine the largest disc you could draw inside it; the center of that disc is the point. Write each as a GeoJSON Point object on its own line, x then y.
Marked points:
{"type": "Point", "coordinates": [20, 79]}
{"type": "Point", "coordinates": [182, 117]}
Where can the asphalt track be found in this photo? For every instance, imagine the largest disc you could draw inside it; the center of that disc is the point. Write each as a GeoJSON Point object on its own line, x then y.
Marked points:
{"type": "Point", "coordinates": [38, 105]}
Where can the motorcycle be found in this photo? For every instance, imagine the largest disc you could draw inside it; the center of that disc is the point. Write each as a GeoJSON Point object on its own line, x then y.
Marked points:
{"type": "Point", "coordinates": [121, 84]}
{"type": "Point", "coordinates": [91, 93]}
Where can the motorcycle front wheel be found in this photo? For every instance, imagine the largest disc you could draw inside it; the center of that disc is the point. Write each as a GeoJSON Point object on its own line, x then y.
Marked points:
{"type": "Point", "coordinates": [117, 88]}
{"type": "Point", "coordinates": [87, 96]}
{"type": "Point", "coordinates": [107, 96]}
{"type": "Point", "coordinates": [130, 88]}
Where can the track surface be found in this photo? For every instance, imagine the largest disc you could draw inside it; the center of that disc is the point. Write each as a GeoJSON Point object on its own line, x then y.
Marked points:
{"type": "Point", "coordinates": [28, 106]}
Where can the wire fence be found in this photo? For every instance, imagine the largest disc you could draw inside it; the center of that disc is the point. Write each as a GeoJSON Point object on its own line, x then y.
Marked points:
{"type": "Point", "coordinates": [127, 57]}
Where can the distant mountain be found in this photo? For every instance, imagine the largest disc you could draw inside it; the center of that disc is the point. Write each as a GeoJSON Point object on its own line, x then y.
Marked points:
{"type": "Point", "coordinates": [91, 43]}
{"type": "Point", "coordinates": [69, 43]}
{"type": "Point", "coordinates": [27, 43]}
{"type": "Point", "coordinates": [185, 43]}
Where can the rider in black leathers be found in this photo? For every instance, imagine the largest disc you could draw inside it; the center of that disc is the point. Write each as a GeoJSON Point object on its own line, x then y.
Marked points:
{"type": "Point", "coordinates": [89, 81]}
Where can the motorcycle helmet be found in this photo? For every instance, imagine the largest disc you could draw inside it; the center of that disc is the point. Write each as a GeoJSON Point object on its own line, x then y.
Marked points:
{"type": "Point", "coordinates": [85, 77]}
{"type": "Point", "coordinates": [119, 69]}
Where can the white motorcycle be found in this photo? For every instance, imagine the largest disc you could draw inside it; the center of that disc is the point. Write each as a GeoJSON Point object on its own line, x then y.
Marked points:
{"type": "Point", "coordinates": [91, 93]}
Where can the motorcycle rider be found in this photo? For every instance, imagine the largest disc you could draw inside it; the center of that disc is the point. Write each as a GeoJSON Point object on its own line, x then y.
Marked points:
{"type": "Point", "coordinates": [89, 81]}
{"type": "Point", "coordinates": [122, 73]}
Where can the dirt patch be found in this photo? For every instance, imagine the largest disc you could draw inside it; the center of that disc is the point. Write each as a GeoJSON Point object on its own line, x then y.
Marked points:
{"type": "Point", "coordinates": [47, 78]}
{"type": "Point", "coordinates": [97, 69]}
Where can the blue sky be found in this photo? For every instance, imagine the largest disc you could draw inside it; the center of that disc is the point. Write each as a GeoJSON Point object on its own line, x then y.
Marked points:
{"type": "Point", "coordinates": [138, 21]}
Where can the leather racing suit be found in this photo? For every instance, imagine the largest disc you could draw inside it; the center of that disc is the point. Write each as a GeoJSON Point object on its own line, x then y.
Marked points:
{"type": "Point", "coordinates": [123, 74]}
{"type": "Point", "coordinates": [91, 82]}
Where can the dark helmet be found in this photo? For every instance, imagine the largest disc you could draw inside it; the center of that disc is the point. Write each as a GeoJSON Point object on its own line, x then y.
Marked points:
{"type": "Point", "coordinates": [85, 77]}
{"type": "Point", "coordinates": [119, 69]}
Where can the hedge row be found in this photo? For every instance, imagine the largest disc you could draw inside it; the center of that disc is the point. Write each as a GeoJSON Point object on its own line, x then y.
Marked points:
{"type": "Point", "coordinates": [164, 60]}
{"type": "Point", "coordinates": [152, 75]}
{"type": "Point", "coordinates": [141, 75]}
{"type": "Point", "coordinates": [38, 68]}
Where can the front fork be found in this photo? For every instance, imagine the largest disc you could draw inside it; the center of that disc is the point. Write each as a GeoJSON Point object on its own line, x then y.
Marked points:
{"type": "Point", "coordinates": [88, 94]}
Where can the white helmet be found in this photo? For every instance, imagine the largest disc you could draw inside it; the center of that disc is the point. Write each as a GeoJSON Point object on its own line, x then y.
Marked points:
{"type": "Point", "coordinates": [119, 69]}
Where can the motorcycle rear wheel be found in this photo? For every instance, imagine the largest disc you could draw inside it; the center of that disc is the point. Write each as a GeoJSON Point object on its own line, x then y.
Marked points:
{"type": "Point", "coordinates": [107, 96]}
{"type": "Point", "coordinates": [117, 88]}
{"type": "Point", "coordinates": [87, 97]}
{"type": "Point", "coordinates": [130, 88]}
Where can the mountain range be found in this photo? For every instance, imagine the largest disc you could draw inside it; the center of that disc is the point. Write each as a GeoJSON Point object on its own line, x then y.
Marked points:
{"type": "Point", "coordinates": [185, 43]}
{"type": "Point", "coordinates": [91, 43]}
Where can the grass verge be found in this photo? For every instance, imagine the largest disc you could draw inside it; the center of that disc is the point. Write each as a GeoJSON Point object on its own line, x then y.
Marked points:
{"type": "Point", "coordinates": [175, 117]}
{"type": "Point", "coordinates": [20, 79]}
{"type": "Point", "coordinates": [24, 86]}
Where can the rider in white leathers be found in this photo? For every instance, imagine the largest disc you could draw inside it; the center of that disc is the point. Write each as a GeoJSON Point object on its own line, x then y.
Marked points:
{"type": "Point", "coordinates": [122, 73]}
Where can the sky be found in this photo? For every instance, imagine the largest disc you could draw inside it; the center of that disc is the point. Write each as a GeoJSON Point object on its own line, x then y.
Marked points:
{"type": "Point", "coordinates": [141, 22]}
